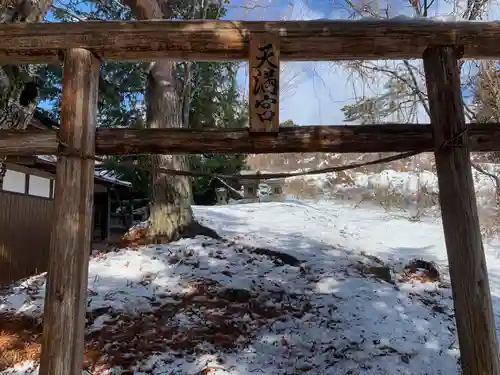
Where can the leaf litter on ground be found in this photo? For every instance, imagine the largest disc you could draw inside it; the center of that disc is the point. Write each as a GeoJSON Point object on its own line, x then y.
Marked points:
{"type": "Point", "coordinates": [295, 289]}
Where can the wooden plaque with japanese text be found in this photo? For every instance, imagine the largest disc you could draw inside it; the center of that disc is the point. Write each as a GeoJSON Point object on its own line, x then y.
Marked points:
{"type": "Point", "coordinates": [264, 84]}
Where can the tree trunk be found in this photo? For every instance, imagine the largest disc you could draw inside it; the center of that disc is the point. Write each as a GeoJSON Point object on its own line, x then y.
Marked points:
{"type": "Point", "coordinates": [12, 11]}
{"type": "Point", "coordinates": [18, 99]}
{"type": "Point", "coordinates": [171, 213]}
{"type": "Point", "coordinates": [170, 209]}
{"type": "Point", "coordinates": [13, 78]}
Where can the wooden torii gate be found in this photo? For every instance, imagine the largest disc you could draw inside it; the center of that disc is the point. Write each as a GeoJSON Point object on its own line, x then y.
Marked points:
{"type": "Point", "coordinates": [82, 45]}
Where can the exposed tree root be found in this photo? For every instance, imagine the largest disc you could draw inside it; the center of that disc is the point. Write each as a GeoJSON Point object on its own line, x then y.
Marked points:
{"type": "Point", "coordinates": [277, 256]}
{"type": "Point", "coordinates": [197, 229]}
{"type": "Point", "coordinates": [141, 237]}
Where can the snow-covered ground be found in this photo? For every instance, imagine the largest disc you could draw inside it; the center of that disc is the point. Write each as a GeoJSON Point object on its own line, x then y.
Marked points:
{"type": "Point", "coordinates": [401, 182]}
{"type": "Point", "coordinates": [296, 288]}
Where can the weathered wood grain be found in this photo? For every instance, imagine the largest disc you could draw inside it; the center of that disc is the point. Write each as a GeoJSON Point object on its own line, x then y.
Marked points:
{"type": "Point", "coordinates": [344, 139]}
{"type": "Point", "coordinates": [469, 277]}
{"type": "Point", "coordinates": [263, 98]}
{"type": "Point", "coordinates": [318, 40]}
{"type": "Point", "coordinates": [66, 294]}
{"type": "Point", "coordinates": [28, 142]}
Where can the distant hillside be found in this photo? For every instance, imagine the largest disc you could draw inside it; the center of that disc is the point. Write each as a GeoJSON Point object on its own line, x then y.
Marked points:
{"type": "Point", "coordinates": [295, 162]}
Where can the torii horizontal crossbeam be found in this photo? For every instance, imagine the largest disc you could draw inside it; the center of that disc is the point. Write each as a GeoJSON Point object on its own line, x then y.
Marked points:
{"type": "Point", "coordinates": [316, 40]}
{"type": "Point", "coordinates": [342, 139]}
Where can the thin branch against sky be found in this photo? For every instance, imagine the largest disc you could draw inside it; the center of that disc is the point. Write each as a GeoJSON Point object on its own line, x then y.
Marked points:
{"type": "Point", "coordinates": [323, 88]}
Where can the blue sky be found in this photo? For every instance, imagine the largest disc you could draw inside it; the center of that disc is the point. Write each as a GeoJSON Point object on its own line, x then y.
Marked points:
{"type": "Point", "coordinates": [313, 93]}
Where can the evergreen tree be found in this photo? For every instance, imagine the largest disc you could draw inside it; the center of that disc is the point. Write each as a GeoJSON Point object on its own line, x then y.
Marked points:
{"type": "Point", "coordinates": [214, 101]}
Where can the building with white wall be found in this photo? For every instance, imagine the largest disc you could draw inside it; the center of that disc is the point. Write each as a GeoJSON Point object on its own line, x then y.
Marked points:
{"type": "Point", "coordinates": [23, 182]}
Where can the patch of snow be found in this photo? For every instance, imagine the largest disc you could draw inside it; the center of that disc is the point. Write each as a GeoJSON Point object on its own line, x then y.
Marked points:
{"type": "Point", "coordinates": [344, 320]}
{"type": "Point", "coordinates": [400, 182]}
{"type": "Point", "coordinates": [406, 183]}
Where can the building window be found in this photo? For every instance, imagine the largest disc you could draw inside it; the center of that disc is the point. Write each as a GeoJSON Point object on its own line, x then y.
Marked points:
{"type": "Point", "coordinates": [14, 181]}
{"type": "Point", "coordinates": [39, 186]}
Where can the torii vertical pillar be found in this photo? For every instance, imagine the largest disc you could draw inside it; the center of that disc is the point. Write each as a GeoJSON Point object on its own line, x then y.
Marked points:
{"type": "Point", "coordinates": [469, 277]}
{"type": "Point", "coordinates": [66, 295]}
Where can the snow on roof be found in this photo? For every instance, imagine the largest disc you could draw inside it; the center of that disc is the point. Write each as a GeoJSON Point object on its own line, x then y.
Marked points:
{"type": "Point", "coordinates": [102, 174]}
{"type": "Point", "coordinates": [49, 158]}
{"type": "Point", "coordinates": [275, 181]}
{"type": "Point", "coordinates": [253, 172]}
{"type": "Point", "coordinates": [247, 172]}
{"type": "Point", "coordinates": [110, 176]}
